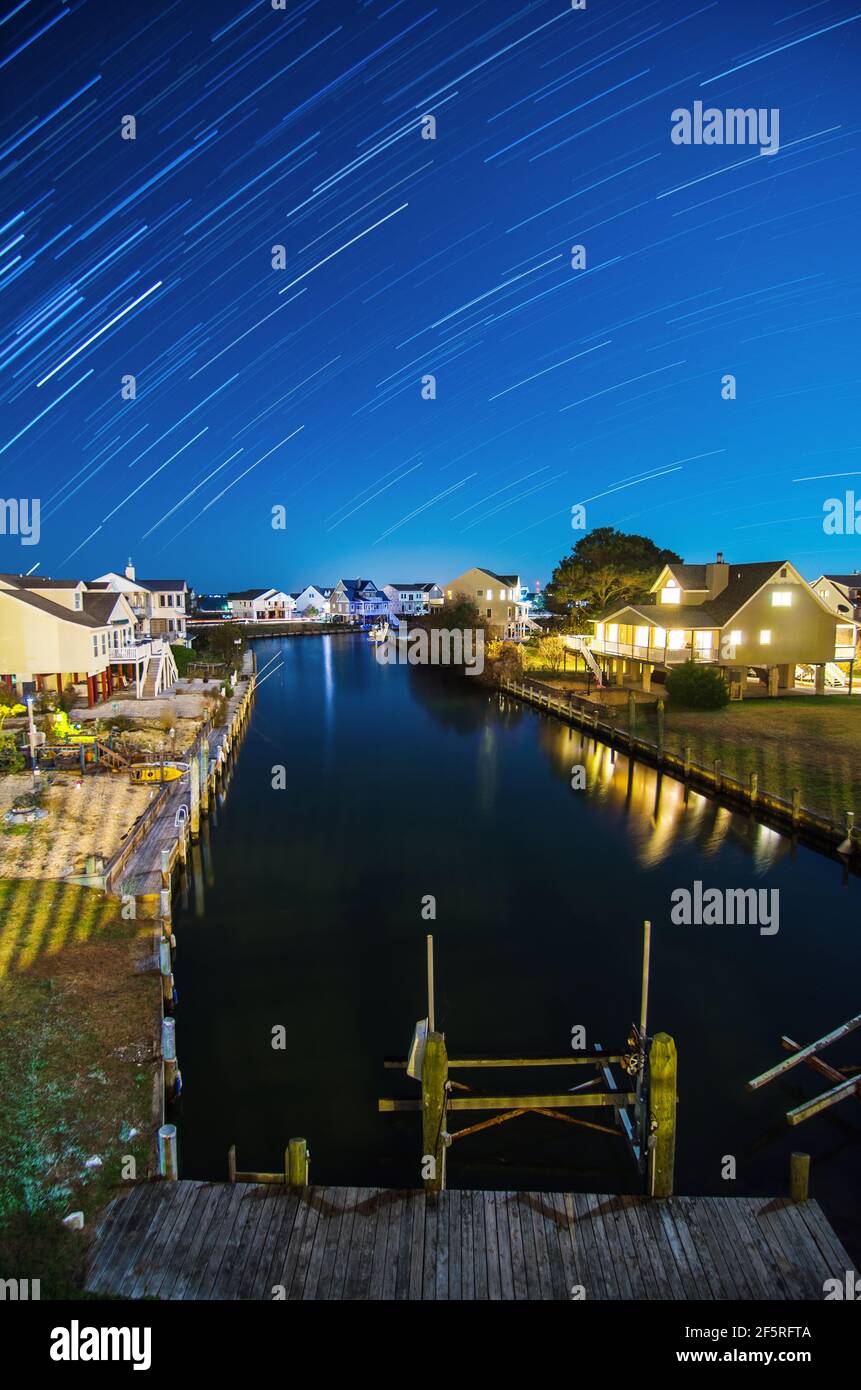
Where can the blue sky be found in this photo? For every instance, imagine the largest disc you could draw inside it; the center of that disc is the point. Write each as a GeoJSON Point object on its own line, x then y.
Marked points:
{"type": "Point", "coordinates": [301, 386]}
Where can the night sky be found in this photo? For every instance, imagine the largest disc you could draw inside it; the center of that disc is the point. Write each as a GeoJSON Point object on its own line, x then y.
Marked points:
{"type": "Point", "coordinates": [258, 387]}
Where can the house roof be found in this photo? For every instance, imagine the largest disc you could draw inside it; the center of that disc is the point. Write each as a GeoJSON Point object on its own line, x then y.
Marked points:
{"type": "Point", "coordinates": [509, 580]}
{"type": "Point", "coordinates": [848, 581]}
{"type": "Point", "coordinates": [689, 576]}
{"type": "Point", "coordinates": [37, 581]}
{"type": "Point", "coordinates": [55, 610]}
{"type": "Point", "coordinates": [158, 584]}
{"type": "Point", "coordinates": [354, 588]}
{"type": "Point", "coordinates": [417, 585]}
{"type": "Point", "coordinates": [250, 593]}
{"type": "Point", "coordinates": [744, 581]}
{"type": "Point", "coordinates": [101, 606]}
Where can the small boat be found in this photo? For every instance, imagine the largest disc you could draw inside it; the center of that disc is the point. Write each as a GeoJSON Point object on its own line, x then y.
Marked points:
{"type": "Point", "coordinates": [143, 774]}
{"type": "Point", "coordinates": [379, 634]}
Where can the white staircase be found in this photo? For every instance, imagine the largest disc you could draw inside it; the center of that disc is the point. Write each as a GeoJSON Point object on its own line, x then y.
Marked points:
{"type": "Point", "coordinates": [580, 644]}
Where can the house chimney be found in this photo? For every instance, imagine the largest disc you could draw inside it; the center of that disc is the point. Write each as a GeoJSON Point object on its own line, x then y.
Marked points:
{"type": "Point", "coordinates": [130, 570]}
{"type": "Point", "coordinates": [717, 576]}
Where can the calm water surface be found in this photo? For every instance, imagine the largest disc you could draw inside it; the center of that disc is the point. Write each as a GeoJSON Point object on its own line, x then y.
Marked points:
{"type": "Point", "coordinates": [306, 912]}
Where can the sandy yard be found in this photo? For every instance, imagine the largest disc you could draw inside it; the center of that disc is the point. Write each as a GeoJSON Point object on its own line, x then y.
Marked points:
{"type": "Point", "coordinates": [90, 818]}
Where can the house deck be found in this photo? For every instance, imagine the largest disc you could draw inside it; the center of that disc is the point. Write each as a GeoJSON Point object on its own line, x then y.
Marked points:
{"type": "Point", "coordinates": [195, 1240]}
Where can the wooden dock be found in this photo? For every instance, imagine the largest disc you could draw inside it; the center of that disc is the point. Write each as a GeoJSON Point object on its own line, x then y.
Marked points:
{"type": "Point", "coordinates": [195, 1240]}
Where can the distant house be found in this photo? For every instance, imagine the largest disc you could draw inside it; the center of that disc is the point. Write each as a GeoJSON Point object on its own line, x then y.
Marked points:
{"type": "Point", "coordinates": [411, 600]}
{"type": "Point", "coordinates": [358, 599]}
{"type": "Point", "coordinates": [497, 598]}
{"type": "Point", "coordinates": [316, 596]}
{"type": "Point", "coordinates": [160, 606]}
{"type": "Point", "coordinates": [57, 632]}
{"type": "Point", "coordinates": [763, 617]}
{"type": "Point", "coordinates": [261, 605]}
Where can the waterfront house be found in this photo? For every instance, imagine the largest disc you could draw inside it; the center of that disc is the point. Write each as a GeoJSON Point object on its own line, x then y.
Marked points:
{"type": "Point", "coordinates": [261, 605]}
{"type": "Point", "coordinates": [160, 606]}
{"type": "Point", "coordinates": [314, 596]}
{"type": "Point", "coordinates": [59, 632]}
{"type": "Point", "coordinates": [497, 598]}
{"type": "Point", "coordinates": [762, 617]}
{"type": "Point", "coordinates": [358, 599]}
{"type": "Point", "coordinates": [212, 606]}
{"type": "Point", "coordinates": [413, 600]}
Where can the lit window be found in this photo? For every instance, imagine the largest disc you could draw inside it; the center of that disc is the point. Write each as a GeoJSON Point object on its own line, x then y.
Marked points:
{"type": "Point", "coordinates": [613, 632]}
{"type": "Point", "coordinates": [677, 639]}
{"type": "Point", "coordinates": [659, 637]}
{"type": "Point", "coordinates": [641, 636]}
{"type": "Point", "coordinates": [780, 599]}
{"type": "Point", "coordinates": [599, 630]}
{"type": "Point", "coordinates": [502, 594]}
{"type": "Point", "coordinates": [671, 594]}
{"type": "Point", "coordinates": [765, 637]}
{"type": "Point", "coordinates": [735, 638]}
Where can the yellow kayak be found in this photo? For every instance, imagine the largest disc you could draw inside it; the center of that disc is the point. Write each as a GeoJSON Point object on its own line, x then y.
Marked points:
{"type": "Point", "coordinates": [144, 773]}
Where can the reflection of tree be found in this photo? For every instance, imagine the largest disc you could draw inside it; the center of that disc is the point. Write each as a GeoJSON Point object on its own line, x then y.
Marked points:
{"type": "Point", "coordinates": [447, 697]}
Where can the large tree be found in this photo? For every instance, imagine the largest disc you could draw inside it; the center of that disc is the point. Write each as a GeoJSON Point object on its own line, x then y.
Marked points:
{"type": "Point", "coordinates": [605, 568]}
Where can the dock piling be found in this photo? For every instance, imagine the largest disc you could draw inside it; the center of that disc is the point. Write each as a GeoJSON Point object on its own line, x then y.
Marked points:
{"type": "Point", "coordinates": [799, 1176]}
{"type": "Point", "coordinates": [662, 1117]}
{"type": "Point", "coordinates": [168, 1157]}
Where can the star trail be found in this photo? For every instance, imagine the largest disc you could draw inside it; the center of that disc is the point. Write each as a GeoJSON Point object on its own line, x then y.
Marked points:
{"type": "Point", "coordinates": [425, 274]}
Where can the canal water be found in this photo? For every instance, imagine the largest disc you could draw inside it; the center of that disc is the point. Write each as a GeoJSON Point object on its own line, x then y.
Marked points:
{"type": "Point", "coordinates": [305, 915]}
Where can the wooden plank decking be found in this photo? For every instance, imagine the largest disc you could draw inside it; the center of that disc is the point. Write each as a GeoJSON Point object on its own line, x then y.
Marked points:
{"type": "Point", "coordinates": [194, 1240]}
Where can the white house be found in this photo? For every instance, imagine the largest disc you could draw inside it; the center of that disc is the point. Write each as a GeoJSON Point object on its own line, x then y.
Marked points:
{"type": "Point", "coordinates": [358, 599]}
{"type": "Point", "coordinates": [261, 605]}
{"type": "Point", "coordinates": [412, 600]}
{"type": "Point", "coordinates": [160, 606]}
{"type": "Point", "coordinates": [314, 597]}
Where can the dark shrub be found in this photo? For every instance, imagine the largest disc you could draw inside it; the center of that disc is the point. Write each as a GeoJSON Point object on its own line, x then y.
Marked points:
{"type": "Point", "coordinates": [697, 687]}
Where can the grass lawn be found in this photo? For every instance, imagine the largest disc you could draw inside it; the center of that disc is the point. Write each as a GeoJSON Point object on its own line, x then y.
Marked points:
{"type": "Point", "coordinates": [808, 741]}
{"type": "Point", "coordinates": [78, 1039]}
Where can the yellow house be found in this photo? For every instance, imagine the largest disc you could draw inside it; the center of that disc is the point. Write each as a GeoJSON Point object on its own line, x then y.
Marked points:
{"type": "Point", "coordinates": [55, 631]}
{"type": "Point", "coordinates": [497, 598]}
{"type": "Point", "coordinates": [762, 616]}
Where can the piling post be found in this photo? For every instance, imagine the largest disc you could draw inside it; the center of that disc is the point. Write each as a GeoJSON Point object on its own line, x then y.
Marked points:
{"type": "Point", "coordinates": [168, 1157]}
{"type": "Point", "coordinates": [799, 1176]}
{"type": "Point", "coordinates": [687, 764]}
{"type": "Point", "coordinates": [660, 729]}
{"type": "Point", "coordinates": [296, 1163]}
{"type": "Point", "coordinates": [231, 1163]}
{"type": "Point", "coordinates": [754, 788]}
{"type": "Point", "coordinates": [796, 805]}
{"type": "Point", "coordinates": [632, 713]}
{"type": "Point", "coordinates": [166, 972]}
{"type": "Point", "coordinates": [717, 775]}
{"type": "Point", "coordinates": [662, 1115]}
{"type": "Point", "coordinates": [194, 788]}
{"type": "Point", "coordinates": [434, 1095]}
{"type": "Point", "coordinates": [204, 774]}
{"type": "Point", "coordinates": [168, 1052]}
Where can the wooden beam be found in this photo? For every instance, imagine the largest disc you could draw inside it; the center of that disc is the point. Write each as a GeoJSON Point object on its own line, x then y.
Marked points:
{"type": "Point", "coordinates": [802, 1056]}
{"type": "Point", "coordinates": [566, 1101]}
{"type": "Point", "coordinates": [823, 1102]}
{"type": "Point", "coordinates": [816, 1063]}
{"type": "Point", "coordinates": [398, 1063]}
{"type": "Point", "coordinates": [433, 1105]}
